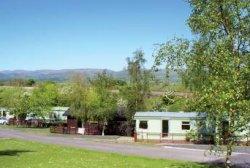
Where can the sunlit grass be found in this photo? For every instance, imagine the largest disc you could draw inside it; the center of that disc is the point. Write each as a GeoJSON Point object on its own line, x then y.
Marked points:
{"type": "Point", "coordinates": [25, 154]}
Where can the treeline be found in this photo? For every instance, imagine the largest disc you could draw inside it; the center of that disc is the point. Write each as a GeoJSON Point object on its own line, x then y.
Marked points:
{"type": "Point", "coordinates": [215, 65]}
{"type": "Point", "coordinates": [90, 99]}
{"type": "Point", "coordinates": [18, 82]}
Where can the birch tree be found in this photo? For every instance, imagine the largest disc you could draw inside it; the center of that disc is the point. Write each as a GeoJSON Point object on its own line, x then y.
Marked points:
{"type": "Point", "coordinates": [216, 65]}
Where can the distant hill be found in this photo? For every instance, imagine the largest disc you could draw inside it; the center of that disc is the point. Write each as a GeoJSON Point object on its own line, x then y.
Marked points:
{"type": "Point", "coordinates": [66, 74]}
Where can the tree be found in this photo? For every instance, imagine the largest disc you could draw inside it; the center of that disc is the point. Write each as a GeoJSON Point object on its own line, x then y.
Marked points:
{"type": "Point", "coordinates": [217, 65]}
{"type": "Point", "coordinates": [83, 99]}
{"type": "Point", "coordinates": [30, 82]}
{"type": "Point", "coordinates": [43, 98]}
{"type": "Point", "coordinates": [64, 91]}
{"type": "Point", "coordinates": [20, 82]}
{"type": "Point", "coordinates": [17, 100]}
{"type": "Point", "coordinates": [106, 105]}
{"type": "Point", "coordinates": [137, 90]}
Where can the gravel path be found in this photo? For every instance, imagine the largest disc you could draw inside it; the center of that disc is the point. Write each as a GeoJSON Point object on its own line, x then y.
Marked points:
{"type": "Point", "coordinates": [172, 152]}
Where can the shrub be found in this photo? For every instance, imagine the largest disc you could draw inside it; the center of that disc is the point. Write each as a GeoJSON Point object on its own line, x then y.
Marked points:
{"type": "Point", "coordinates": [192, 135]}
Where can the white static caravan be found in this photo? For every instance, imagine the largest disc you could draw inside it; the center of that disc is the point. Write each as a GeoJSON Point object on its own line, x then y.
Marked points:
{"type": "Point", "coordinates": [165, 125]}
{"type": "Point", "coordinates": [58, 113]}
{"type": "Point", "coordinates": [5, 113]}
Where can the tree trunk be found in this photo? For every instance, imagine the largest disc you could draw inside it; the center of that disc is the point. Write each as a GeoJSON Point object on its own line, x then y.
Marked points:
{"type": "Point", "coordinates": [103, 128]}
{"type": "Point", "coordinates": [82, 124]}
{"type": "Point", "coordinates": [228, 154]}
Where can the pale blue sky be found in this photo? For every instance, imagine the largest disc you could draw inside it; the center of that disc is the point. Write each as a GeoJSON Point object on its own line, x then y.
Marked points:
{"type": "Point", "coordinates": [59, 34]}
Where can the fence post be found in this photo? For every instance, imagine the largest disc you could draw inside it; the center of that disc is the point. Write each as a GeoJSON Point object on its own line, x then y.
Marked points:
{"type": "Point", "coordinates": [247, 144]}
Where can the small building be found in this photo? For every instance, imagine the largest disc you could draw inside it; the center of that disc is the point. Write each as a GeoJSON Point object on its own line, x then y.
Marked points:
{"type": "Point", "coordinates": [165, 125]}
{"type": "Point", "coordinates": [5, 113]}
{"type": "Point", "coordinates": [57, 113]}
{"type": "Point", "coordinates": [69, 124]}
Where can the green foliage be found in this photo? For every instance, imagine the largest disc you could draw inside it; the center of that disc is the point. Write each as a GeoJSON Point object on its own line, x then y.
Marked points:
{"type": "Point", "coordinates": [192, 135]}
{"type": "Point", "coordinates": [16, 100]}
{"type": "Point", "coordinates": [173, 54]}
{"type": "Point", "coordinates": [180, 104]}
{"type": "Point", "coordinates": [83, 98]}
{"type": "Point", "coordinates": [119, 82]}
{"type": "Point", "coordinates": [163, 86]}
{"type": "Point", "coordinates": [63, 98]}
{"type": "Point", "coordinates": [154, 103]}
{"type": "Point", "coordinates": [106, 101]}
{"type": "Point", "coordinates": [168, 98]}
{"type": "Point", "coordinates": [157, 104]}
{"type": "Point", "coordinates": [222, 56]}
{"type": "Point", "coordinates": [217, 64]}
{"type": "Point", "coordinates": [30, 82]}
{"type": "Point", "coordinates": [137, 90]}
{"type": "Point", "coordinates": [43, 98]}
{"type": "Point", "coordinates": [162, 103]}
{"type": "Point", "coordinates": [39, 101]}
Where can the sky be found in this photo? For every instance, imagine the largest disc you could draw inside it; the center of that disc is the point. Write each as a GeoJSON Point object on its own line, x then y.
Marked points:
{"type": "Point", "coordinates": [67, 34]}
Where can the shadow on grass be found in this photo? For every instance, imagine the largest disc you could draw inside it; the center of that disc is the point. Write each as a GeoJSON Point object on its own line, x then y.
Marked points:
{"type": "Point", "coordinates": [220, 164]}
{"type": "Point", "coordinates": [13, 152]}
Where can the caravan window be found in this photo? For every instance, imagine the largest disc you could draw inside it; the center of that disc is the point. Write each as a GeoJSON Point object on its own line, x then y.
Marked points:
{"type": "Point", "coordinates": [185, 125]}
{"type": "Point", "coordinates": [143, 124]}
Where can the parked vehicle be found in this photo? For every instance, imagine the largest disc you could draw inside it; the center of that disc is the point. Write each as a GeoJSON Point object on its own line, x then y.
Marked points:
{"type": "Point", "coordinates": [3, 120]}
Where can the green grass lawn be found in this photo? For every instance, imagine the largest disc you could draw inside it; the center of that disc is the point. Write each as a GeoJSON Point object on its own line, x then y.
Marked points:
{"type": "Point", "coordinates": [25, 154]}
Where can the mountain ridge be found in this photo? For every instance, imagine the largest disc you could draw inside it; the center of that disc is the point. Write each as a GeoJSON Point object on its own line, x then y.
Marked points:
{"type": "Point", "coordinates": [61, 75]}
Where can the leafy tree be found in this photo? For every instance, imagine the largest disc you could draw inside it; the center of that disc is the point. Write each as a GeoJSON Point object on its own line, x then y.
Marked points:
{"type": "Point", "coordinates": [17, 100]}
{"type": "Point", "coordinates": [63, 97]}
{"type": "Point", "coordinates": [216, 65]}
{"type": "Point", "coordinates": [119, 82]}
{"type": "Point", "coordinates": [83, 98]}
{"type": "Point", "coordinates": [137, 90]}
{"type": "Point", "coordinates": [154, 103]}
{"type": "Point", "coordinates": [174, 53]}
{"type": "Point", "coordinates": [43, 98]}
{"type": "Point", "coordinates": [106, 105]}
{"type": "Point", "coordinates": [30, 82]}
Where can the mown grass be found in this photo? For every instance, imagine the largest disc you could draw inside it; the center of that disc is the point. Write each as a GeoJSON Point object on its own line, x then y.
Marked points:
{"type": "Point", "coordinates": [26, 154]}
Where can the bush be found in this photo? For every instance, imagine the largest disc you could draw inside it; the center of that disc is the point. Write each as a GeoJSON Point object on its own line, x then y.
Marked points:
{"type": "Point", "coordinates": [192, 135]}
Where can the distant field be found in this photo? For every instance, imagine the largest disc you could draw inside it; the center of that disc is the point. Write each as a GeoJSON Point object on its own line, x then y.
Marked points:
{"type": "Point", "coordinates": [177, 87]}
{"type": "Point", "coordinates": [23, 154]}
